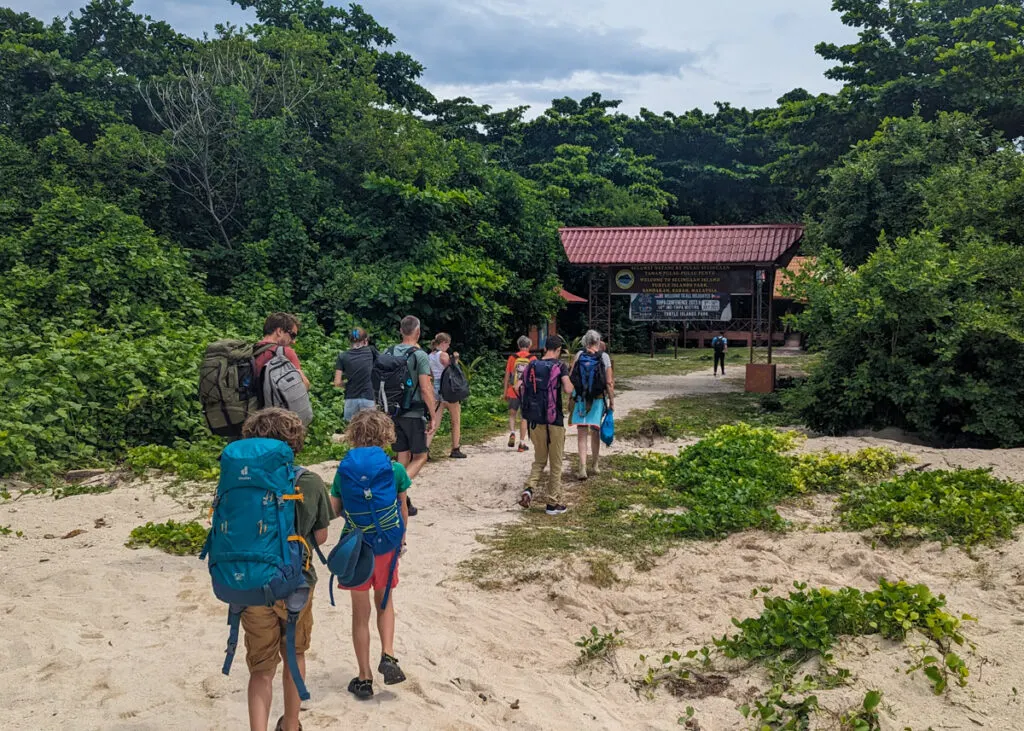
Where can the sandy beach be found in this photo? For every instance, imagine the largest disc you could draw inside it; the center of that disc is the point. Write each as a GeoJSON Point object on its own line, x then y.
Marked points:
{"type": "Point", "coordinates": [99, 636]}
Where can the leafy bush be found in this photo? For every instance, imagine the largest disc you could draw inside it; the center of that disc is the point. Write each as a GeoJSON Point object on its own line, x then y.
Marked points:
{"type": "Point", "coordinates": [840, 473]}
{"type": "Point", "coordinates": [963, 506]}
{"type": "Point", "coordinates": [923, 336]}
{"type": "Point", "coordinates": [180, 539]}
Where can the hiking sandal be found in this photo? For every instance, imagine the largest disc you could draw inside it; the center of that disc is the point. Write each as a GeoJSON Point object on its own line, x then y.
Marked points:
{"type": "Point", "coordinates": [361, 689]}
{"type": "Point", "coordinates": [389, 669]}
{"type": "Point", "coordinates": [526, 498]}
{"type": "Point", "coordinates": [280, 724]}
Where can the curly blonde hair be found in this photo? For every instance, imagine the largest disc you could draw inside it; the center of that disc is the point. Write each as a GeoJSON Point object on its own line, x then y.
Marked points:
{"type": "Point", "coordinates": [370, 428]}
{"type": "Point", "coordinates": [278, 424]}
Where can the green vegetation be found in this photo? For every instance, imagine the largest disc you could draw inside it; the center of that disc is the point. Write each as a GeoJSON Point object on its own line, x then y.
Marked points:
{"type": "Point", "coordinates": [696, 416]}
{"type": "Point", "coordinates": [802, 629]}
{"type": "Point", "coordinates": [597, 645]}
{"type": "Point", "coordinates": [6, 530]}
{"type": "Point", "coordinates": [158, 192]}
{"type": "Point", "coordinates": [180, 539]}
{"type": "Point", "coordinates": [965, 507]}
{"type": "Point", "coordinates": [731, 481]}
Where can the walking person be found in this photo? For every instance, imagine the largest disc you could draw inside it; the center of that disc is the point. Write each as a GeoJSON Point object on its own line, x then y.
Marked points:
{"type": "Point", "coordinates": [594, 384]}
{"type": "Point", "coordinates": [720, 344]}
{"type": "Point", "coordinates": [439, 360]}
{"type": "Point", "coordinates": [355, 365]}
{"type": "Point", "coordinates": [544, 382]}
{"type": "Point", "coordinates": [411, 423]}
{"type": "Point", "coordinates": [514, 369]}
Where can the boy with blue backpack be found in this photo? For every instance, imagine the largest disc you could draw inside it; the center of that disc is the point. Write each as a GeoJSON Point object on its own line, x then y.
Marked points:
{"type": "Point", "coordinates": [269, 518]}
{"type": "Point", "coordinates": [370, 491]}
{"type": "Point", "coordinates": [540, 396]}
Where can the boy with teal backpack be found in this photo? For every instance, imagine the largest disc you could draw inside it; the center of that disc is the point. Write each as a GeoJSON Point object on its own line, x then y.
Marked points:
{"type": "Point", "coordinates": [269, 518]}
{"type": "Point", "coordinates": [369, 490]}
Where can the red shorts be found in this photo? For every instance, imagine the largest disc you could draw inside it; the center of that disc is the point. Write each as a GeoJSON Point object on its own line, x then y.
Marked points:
{"type": "Point", "coordinates": [381, 569]}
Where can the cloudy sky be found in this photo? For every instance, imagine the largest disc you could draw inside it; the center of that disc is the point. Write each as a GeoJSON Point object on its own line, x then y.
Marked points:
{"type": "Point", "coordinates": [665, 55]}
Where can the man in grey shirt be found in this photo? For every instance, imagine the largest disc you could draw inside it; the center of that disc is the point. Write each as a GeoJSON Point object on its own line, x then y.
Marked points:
{"type": "Point", "coordinates": [411, 428]}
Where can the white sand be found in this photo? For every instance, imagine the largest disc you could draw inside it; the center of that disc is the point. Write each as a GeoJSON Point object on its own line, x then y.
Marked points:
{"type": "Point", "coordinates": [98, 636]}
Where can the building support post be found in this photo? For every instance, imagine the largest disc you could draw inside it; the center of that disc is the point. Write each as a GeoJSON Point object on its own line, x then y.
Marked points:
{"type": "Point", "coordinates": [601, 304]}
{"type": "Point", "coordinates": [771, 309]}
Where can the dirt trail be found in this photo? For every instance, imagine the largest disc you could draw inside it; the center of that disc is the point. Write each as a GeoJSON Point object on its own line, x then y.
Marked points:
{"type": "Point", "coordinates": [102, 637]}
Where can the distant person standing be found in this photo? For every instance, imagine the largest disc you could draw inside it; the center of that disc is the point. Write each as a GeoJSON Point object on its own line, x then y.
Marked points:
{"type": "Point", "coordinates": [355, 365]}
{"type": "Point", "coordinates": [720, 344]}
{"type": "Point", "coordinates": [514, 370]}
{"type": "Point", "coordinates": [439, 360]}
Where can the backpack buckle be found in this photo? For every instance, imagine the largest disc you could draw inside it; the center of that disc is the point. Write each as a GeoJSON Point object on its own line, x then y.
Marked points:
{"type": "Point", "coordinates": [367, 493]}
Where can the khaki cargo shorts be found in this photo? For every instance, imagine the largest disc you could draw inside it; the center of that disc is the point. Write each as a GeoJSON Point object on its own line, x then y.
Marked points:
{"type": "Point", "coordinates": [264, 632]}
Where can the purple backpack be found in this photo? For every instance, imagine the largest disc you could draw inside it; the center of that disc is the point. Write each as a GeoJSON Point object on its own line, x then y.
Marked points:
{"type": "Point", "coordinates": [539, 391]}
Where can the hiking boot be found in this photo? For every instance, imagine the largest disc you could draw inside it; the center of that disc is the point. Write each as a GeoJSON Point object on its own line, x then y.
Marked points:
{"type": "Point", "coordinates": [523, 447]}
{"type": "Point", "coordinates": [361, 689]}
{"type": "Point", "coordinates": [512, 440]}
{"type": "Point", "coordinates": [457, 454]}
{"type": "Point", "coordinates": [389, 669]}
{"type": "Point", "coordinates": [526, 498]}
{"type": "Point", "coordinates": [554, 509]}
{"type": "Point", "coordinates": [412, 508]}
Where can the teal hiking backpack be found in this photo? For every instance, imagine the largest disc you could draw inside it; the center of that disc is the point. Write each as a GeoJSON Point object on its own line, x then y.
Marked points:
{"type": "Point", "coordinates": [255, 558]}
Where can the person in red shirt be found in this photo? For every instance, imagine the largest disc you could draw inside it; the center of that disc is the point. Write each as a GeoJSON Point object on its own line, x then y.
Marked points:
{"type": "Point", "coordinates": [514, 369]}
{"type": "Point", "coordinates": [280, 329]}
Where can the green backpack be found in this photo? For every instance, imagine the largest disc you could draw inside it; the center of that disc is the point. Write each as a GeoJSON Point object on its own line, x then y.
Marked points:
{"type": "Point", "coordinates": [229, 389]}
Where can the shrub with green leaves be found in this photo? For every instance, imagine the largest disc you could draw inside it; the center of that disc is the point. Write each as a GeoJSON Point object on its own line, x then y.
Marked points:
{"type": "Point", "coordinates": [961, 506]}
{"type": "Point", "coordinates": [832, 472]}
{"type": "Point", "coordinates": [180, 539]}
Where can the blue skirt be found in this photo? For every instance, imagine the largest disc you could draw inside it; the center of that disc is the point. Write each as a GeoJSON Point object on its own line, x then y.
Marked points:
{"type": "Point", "coordinates": [591, 418]}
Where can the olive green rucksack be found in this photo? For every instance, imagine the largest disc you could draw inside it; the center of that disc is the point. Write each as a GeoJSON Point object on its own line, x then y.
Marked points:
{"type": "Point", "coordinates": [229, 388]}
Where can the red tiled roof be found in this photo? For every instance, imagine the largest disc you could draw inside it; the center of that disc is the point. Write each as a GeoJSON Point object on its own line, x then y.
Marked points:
{"type": "Point", "coordinates": [782, 278]}
{"type": "Point", "coordinates": [571, 298]}
{"type": "Point", "coordinates": [681, 244]}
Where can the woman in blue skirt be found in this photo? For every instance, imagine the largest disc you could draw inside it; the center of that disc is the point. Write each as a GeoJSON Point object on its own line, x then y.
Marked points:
{"type": "Point", "coordinates": [591, 401]}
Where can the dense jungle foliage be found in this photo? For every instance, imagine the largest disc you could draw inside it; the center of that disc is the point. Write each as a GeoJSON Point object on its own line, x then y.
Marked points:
{"type": "Point", "coordinates": [159, 191]}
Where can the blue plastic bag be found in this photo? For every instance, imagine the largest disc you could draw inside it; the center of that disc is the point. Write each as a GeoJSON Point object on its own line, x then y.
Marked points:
{"type": "Point", "coordinates": [608, 428]}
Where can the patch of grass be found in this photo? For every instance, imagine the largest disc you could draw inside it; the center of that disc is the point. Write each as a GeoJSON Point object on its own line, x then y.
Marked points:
{"type": "Point", "coordinates": [602, 573]}
{"type": "Point", "coordinates": [640, 505]}
{"type": "Point", "coordinates": [963, 506]}
{"type": "Point", "coordinates": [73, 490]}
{"type": "Point", "coordinates": [6, 530]}
{"type": "Point", "coordinates": [631, 365]}
{"type": "Point", "coordinates": [179, 539]}
{"type": "Point", "coordinates": [698, 415]}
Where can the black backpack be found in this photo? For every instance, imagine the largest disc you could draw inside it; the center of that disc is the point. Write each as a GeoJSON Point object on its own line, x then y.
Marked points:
{"type": "Point", "coordinates": [393, 383]}
{"type": "Point", "coordinates": [589, 378]}
{"type": "Point", "coordinates": [540, 391]}
{"type": "Point", "coordinates": [454, 386]}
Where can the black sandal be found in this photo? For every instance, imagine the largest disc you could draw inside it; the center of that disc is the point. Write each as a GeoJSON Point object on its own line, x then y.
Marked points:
{"type": "Point", "coordinates": [280, 724]}
{"type": "Point", "coordinates": [361, 689]}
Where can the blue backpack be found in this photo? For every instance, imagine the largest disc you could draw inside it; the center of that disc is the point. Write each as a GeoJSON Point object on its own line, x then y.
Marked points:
{"type": "Point", "coordinates": [373, 521]}
{"type": "Point", "coordinates": [255, 557]}
{"type": "Point", "coordinates": [589, 378]}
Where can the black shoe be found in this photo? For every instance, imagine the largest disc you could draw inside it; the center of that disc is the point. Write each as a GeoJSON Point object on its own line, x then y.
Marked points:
{"type": "Point", "coordinates": [457, 454]}
{"type": "Point", "coordinates": [389, 669]}
{"type": "Point", "coordinates": [412, 508]}
{"type": "Point", "coordinates": [361, 689]}
{"type": "Point", "coordinates": [554, 509]}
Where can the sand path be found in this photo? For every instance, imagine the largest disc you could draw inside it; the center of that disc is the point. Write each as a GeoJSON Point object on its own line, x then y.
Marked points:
{"type": "Point", "coordinates": [102, 637]}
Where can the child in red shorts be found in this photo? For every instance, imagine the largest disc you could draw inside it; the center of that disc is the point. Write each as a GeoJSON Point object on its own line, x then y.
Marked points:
{"type": "Point", "coordinates": [372, 429]}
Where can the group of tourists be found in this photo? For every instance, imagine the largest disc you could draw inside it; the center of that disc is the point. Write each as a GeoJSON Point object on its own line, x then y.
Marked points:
{"type": "Point", "coordinates": [270, 516]}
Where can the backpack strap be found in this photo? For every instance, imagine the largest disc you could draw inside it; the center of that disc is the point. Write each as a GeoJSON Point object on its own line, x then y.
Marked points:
{"type": "Point", "coordinates": [292, 657]}
{"type": "Point", "coordinates": [234, 620]}
{"type": "Point", "coordinates": [368, 496]}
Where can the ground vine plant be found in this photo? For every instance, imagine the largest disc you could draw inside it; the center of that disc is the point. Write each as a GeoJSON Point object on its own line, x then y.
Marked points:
{"type": "Point", "coordinates": [799, 631]}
